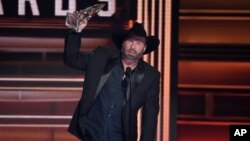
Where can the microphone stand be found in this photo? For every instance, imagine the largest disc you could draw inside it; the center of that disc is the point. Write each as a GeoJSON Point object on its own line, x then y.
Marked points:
{"type": "Point", "coordinates": [130, 106]}
{"type": "Point", "coordinates": [128, 73]}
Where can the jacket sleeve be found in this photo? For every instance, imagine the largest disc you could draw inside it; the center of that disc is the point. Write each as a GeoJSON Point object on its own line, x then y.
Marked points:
{"type": "Point", "coordinates": [150, 112]}
{"type": "Point", "coordinates": [72, 56]}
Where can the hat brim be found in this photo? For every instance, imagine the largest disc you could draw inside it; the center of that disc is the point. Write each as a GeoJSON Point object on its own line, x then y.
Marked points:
{"type": "Point", "coordinates": [152, 42]}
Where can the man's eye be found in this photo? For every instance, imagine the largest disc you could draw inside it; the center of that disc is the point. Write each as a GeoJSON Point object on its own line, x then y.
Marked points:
{"type": "Point", "coordinates": [140, 43]}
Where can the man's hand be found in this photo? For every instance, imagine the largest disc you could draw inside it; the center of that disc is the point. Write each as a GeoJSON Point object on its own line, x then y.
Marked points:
{"type": "Point", "coordinates": [83, 21]}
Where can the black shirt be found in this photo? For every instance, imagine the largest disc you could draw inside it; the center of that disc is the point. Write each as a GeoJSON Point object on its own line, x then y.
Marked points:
{"type": "Point", "coordinates": [104, 121]}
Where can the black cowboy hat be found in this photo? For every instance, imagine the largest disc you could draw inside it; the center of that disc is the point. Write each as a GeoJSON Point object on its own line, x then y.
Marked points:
{"type": "Point", "coordinates": [152, 42]}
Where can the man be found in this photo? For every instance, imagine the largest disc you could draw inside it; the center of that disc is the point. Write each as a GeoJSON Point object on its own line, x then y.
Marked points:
{"type": "Point", "coordinates": [117, 84]}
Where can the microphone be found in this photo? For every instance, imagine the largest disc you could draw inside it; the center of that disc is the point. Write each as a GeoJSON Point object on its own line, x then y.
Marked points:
{"type": "Point", "coordinates": [127, 82]}
{"type": "Point", "coordinates": [128, 72]}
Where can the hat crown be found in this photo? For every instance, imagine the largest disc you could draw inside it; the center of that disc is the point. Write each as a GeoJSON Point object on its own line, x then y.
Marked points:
{"type": "Point", "coordinates": [152, 42]}
{"type": "Point", "coordinates": [138, 30]}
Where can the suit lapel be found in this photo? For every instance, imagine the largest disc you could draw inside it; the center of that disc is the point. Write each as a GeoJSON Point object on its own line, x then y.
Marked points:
{"type": "Point", "coordinates": [136, 79]}
{"type": "Point", "coordinates": [106, 73]}
{"type": "Point", "coordinates": [138, 76]}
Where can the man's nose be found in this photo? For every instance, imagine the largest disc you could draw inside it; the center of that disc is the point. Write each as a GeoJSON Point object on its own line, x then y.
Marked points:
{"type": "Point", "coordinates": [133, 44]}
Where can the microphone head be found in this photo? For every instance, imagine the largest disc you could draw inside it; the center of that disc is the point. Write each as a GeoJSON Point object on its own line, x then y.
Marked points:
{"type": "Point", "coordinates": [128, 71]}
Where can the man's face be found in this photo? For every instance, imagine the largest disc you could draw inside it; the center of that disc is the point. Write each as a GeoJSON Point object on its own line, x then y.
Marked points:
{"type": "Point", "coordinates": [133, 48]}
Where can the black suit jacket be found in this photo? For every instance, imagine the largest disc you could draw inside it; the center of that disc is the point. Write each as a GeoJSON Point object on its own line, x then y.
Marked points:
{"type": "Point", "coordinates": [97, 66]}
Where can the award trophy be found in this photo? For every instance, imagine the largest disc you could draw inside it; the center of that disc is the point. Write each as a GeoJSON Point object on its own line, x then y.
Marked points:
{"type": "Point", "coordinates": [73, 20]}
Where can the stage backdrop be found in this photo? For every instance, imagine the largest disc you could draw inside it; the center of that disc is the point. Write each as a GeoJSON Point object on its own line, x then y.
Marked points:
{"type": "Point", "coordinates": [38, 93]}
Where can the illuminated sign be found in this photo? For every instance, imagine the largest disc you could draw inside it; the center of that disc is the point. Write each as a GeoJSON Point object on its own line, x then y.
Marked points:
{"type": "Point", "coordinates": [59, 8]}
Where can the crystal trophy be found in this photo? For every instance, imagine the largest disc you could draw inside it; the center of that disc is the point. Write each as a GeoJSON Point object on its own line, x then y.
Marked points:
{"type": "Point", "coordinates": [73, 20]}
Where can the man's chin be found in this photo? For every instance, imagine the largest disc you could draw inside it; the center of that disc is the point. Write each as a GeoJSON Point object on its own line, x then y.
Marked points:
{"type": "Point", "coordinates": [131, 57]}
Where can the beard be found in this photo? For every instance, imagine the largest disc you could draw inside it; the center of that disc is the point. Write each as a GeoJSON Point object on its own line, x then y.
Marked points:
{"type": "Point", "coordinates": [131, 54]}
